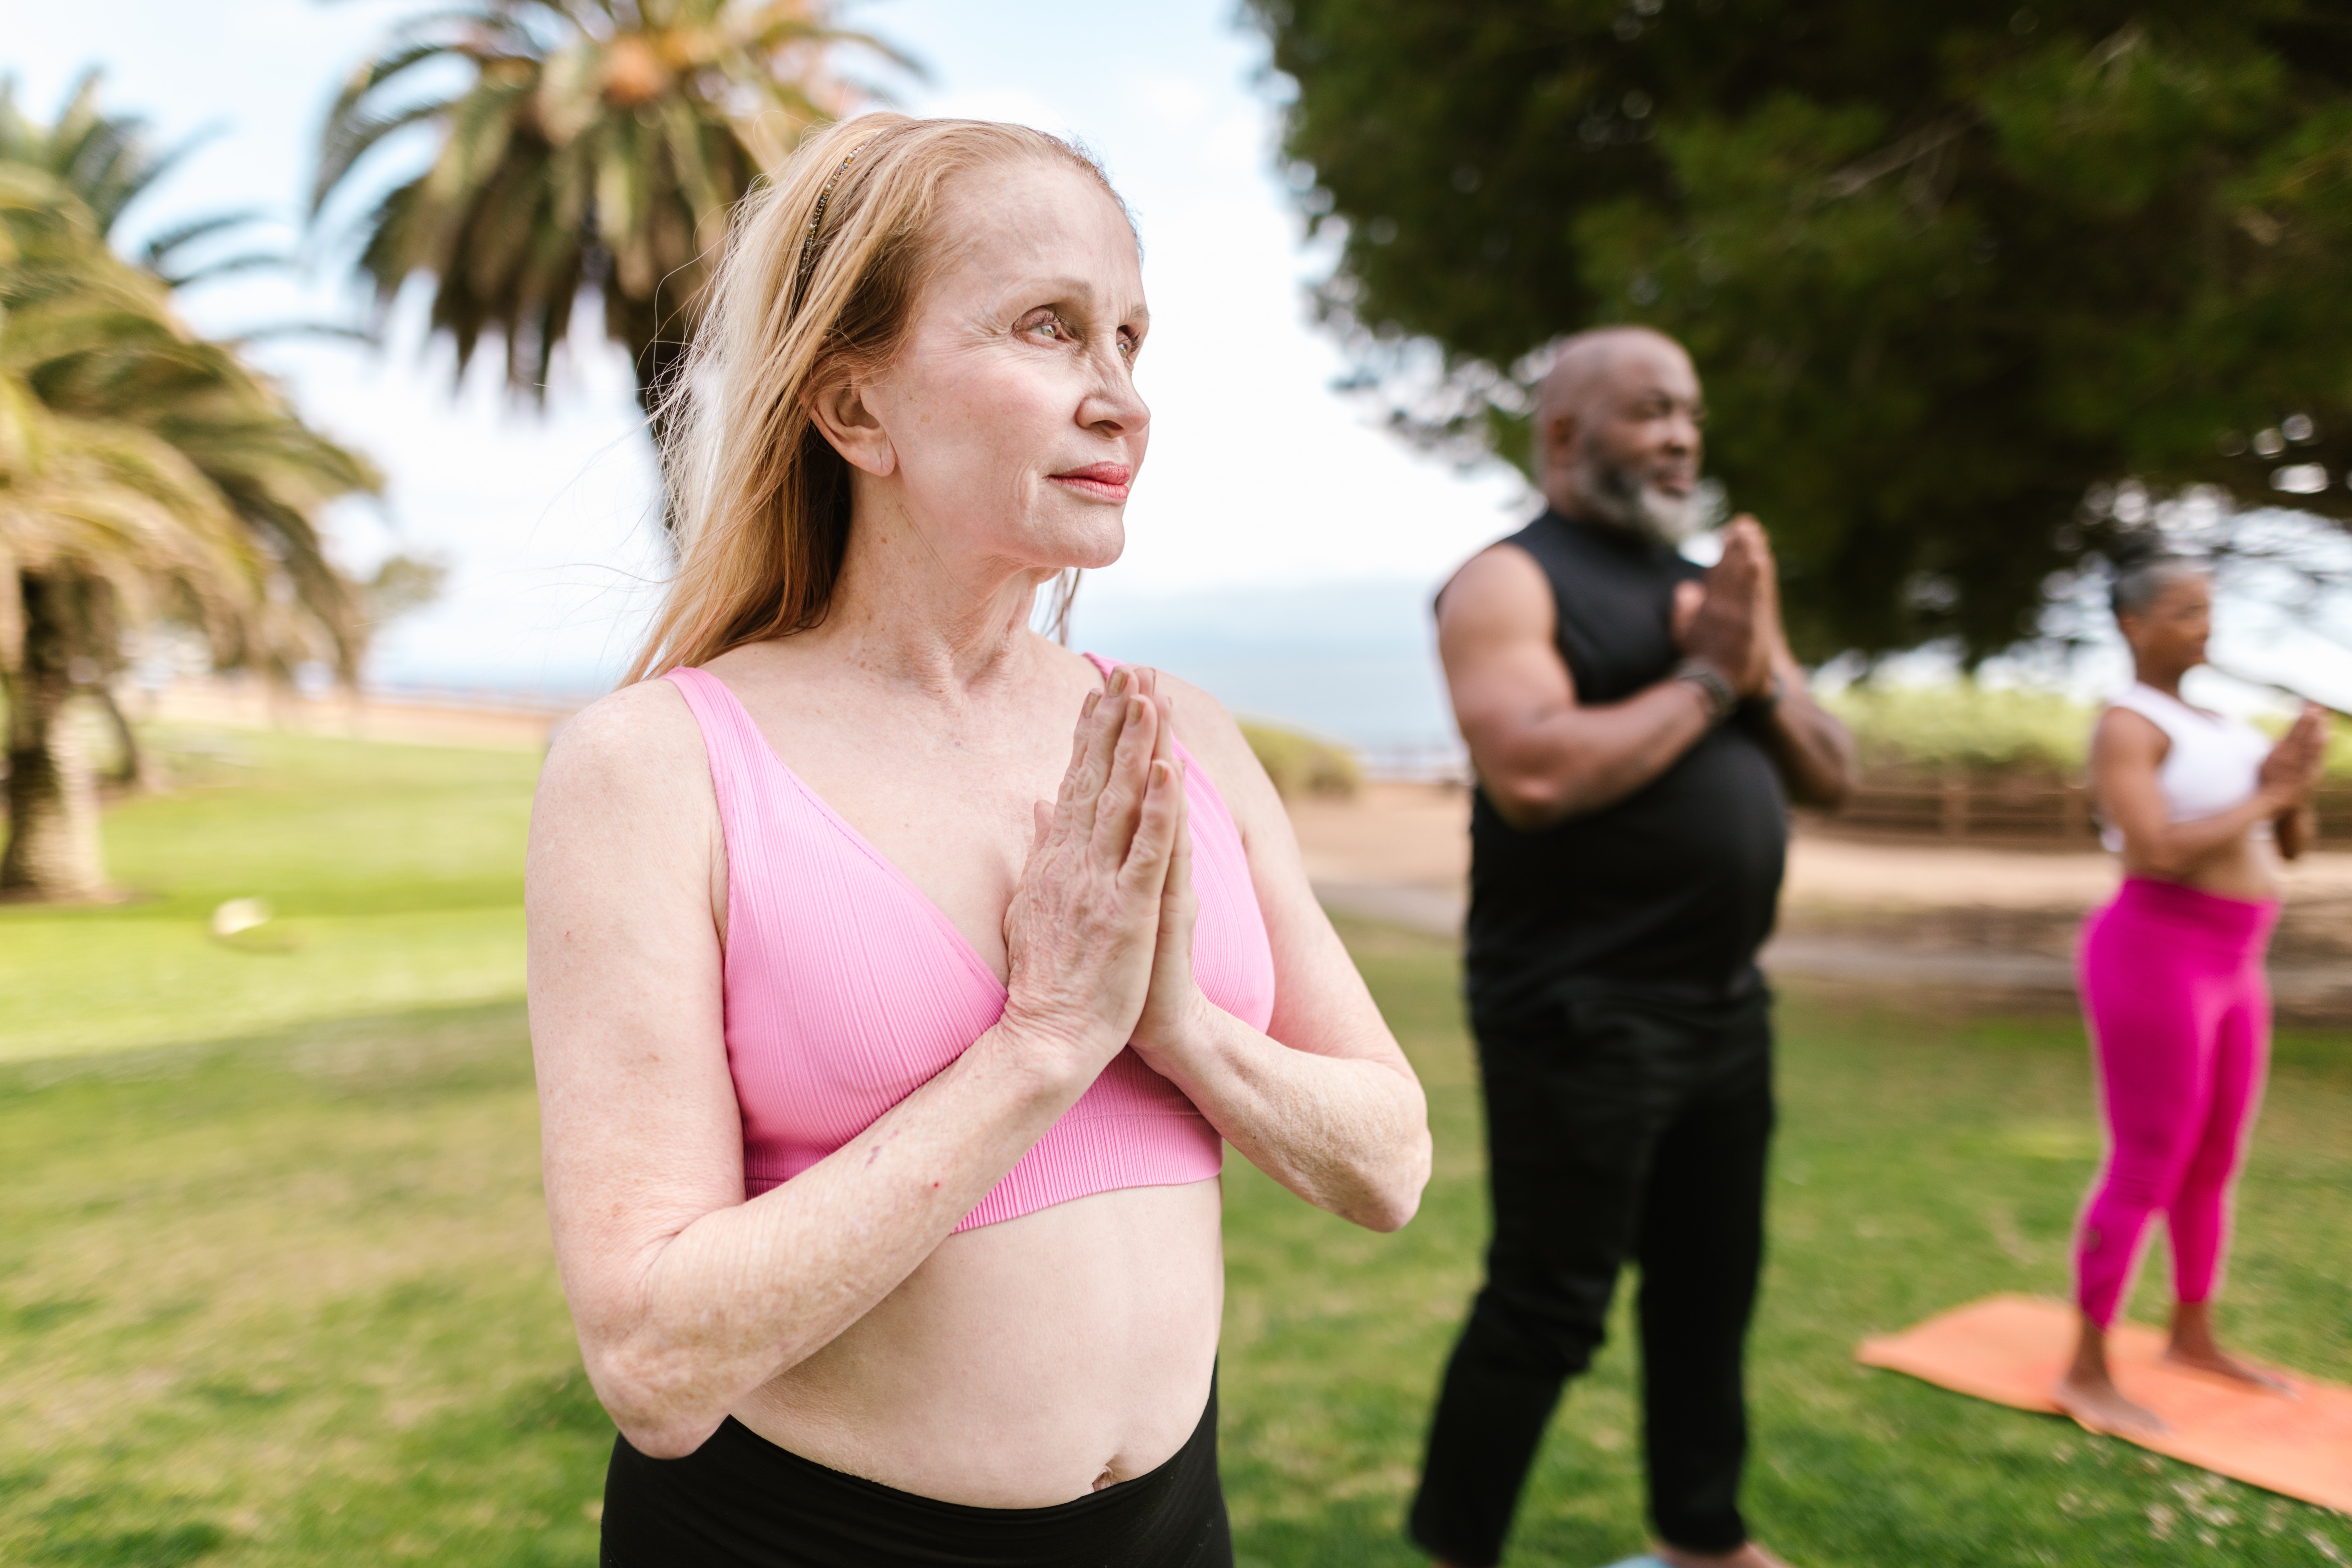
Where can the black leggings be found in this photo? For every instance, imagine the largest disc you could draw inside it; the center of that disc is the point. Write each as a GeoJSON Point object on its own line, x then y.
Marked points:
{"type": "Point", "coordinates": [740, 1499]}
{"type": "Point", "coordinates": [1626, 1127]}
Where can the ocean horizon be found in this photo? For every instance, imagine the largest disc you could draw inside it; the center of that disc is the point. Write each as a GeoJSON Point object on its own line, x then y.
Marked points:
{"type": "Point", "coordinates": [1350, 661]}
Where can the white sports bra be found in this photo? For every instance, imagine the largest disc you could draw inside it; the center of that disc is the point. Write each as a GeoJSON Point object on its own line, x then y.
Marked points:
{"type": "Point", "coordinates": [2212, 763]}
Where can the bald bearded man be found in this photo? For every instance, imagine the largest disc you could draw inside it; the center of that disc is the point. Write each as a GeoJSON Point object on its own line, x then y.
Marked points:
{"type": "Point", "coordinates": [1637, 726]}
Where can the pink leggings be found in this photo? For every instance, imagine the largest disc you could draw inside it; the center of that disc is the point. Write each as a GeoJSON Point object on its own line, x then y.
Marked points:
{"type": "Point", "coordinates": [2179, 1014]}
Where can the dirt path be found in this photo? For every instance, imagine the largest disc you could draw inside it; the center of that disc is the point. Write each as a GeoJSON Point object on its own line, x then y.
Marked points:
{"type": "Point", "coordinates": [1876, 912]}
{"type": "Point", "coordinates": [249, 705]}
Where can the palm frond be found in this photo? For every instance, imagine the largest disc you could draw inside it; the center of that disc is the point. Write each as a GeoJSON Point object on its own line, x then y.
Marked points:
{"type": "Point", "coordinates": [229, 267]}
{"type": "Point", "coordinates": [279, 332]}
{"type": "Point", "coordinates": [599, 141]}
{"type": "Point", "coordinates": [157, 253]}
{"type": "Point", "coordinates": [132, 180]}
{"type": "Point", "coordinates": [106, 160]}
{"type": "Point", "coordinates": [141, 458]}
{"type": "Point", "coordinates": [352, 130]}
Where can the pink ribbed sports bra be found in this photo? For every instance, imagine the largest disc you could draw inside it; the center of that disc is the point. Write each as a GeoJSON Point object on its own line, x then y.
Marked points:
{"type": "Point", "coordinates": [846, 988]}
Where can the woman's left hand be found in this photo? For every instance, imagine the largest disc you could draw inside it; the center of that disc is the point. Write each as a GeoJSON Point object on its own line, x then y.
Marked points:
{"type": "Point", "coordinates": [1317, 1095]}
{"type": "Point", "coordinates": [1171, 1007]}
{"type": "Point", "coordinates": [2293, 768]}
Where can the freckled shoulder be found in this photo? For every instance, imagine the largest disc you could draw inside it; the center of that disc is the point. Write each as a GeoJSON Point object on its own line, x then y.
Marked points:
{"type": "Point", "coordinates": [649, 717]}
{"type": "Point", "coordinates": [639, 745]}
{"type": "Point", "coordinates": [626, 812]}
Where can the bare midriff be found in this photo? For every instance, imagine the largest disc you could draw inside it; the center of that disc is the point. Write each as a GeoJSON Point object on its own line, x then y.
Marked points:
{"type": "Point", "coordinates": [2246, 868]}
{"type": "Point", "coordinates": [1025, 1363]}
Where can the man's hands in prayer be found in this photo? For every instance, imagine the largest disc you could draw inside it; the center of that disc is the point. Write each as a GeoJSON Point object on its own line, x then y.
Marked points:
{"type": "Point", "coordinates": [1732, 619]}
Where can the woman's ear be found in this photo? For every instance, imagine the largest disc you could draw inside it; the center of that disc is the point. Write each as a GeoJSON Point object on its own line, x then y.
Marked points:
{"type": "Point", "coordinates": [842, 412]}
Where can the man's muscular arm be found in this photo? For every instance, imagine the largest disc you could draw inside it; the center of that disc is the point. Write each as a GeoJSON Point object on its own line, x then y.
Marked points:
{"type": "Point", "coordinates": [1814, 751]}
{"type": "Point", "coordinates": [1541, 757]}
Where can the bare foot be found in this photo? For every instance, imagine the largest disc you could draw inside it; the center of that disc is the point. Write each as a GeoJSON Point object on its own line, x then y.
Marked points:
{"type": "Point", "coordinates": [2100, 1406]}
{"type": "Point", "coordinates": [2088, 1392]}
{"type": "Point", "coordinates": [2193, 1346]}
{"type": "Point", "coordinates": [1747, 1556]}
{"type": "Point", "coordinates": [2220, 1364]}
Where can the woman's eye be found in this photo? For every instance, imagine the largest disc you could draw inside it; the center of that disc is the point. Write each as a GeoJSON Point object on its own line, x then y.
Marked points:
{"type": "Point", "coordinates": [1049, 327]}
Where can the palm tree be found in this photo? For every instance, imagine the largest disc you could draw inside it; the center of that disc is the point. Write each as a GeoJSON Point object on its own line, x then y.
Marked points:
{"type": "Point", "coordinates": [588, 145]}
{"type": "Point", "coordinates": [108, 160]}
{"type": "Point", "coordinates": [146, 474]}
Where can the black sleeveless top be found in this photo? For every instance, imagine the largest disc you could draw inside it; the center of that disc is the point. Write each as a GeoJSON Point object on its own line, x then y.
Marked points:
{"type": "Point", "coordinates": [1672, 888]}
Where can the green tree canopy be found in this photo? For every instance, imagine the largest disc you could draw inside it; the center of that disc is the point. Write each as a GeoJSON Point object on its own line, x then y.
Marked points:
{"type": "Point", "coordinates": [1958, 276]}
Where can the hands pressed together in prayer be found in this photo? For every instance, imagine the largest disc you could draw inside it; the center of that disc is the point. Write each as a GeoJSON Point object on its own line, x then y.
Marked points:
{"type": "Point", "coordinates": [1099, 933]}
{"type": "Point", "coordinates": [2291, 771]}
{"type": "Point", "coordinates": [1098, 939]}
{"type": "Point", "coordinates": [2289, 775]}
{"type": "Point", "coordinates": [1732, 620]}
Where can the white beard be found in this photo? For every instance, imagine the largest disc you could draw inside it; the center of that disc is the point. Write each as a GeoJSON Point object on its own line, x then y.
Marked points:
{"type": "Point", "coordinates": [1612, 496]}
{"type": "Point", "coordinates": [1670, 520]}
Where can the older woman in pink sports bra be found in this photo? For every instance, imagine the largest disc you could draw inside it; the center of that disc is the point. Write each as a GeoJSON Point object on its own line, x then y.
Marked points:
{"type": "Point", "coordinates": [899, 976]}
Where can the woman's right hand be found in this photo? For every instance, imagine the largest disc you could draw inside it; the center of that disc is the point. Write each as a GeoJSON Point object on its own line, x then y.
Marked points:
{"type": "Point", "coordinates": [1082, 926]}
{"type": "Point", "coordinates": [2290, 772]}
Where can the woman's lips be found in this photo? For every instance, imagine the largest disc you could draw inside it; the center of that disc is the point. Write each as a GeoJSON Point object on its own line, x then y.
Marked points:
{"type": "Point", "coordinates": [1105, 481]}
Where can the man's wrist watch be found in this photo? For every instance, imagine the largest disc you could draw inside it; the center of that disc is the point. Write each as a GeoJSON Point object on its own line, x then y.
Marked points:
{"type": "Point", "coordinates": [1712, 685]}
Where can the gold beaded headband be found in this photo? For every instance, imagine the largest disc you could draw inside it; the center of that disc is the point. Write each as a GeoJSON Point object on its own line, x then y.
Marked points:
{"type": "Point", "coordinates": [816, 218]}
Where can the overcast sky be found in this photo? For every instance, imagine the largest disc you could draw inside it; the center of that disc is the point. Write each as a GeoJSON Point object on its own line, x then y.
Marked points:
{"type": "Point", "coordinates": [1259, 475]}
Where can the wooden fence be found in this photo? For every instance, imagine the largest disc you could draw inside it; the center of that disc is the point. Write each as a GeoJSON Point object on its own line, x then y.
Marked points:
{"type": "Point", "coordinates": [1996, 807]}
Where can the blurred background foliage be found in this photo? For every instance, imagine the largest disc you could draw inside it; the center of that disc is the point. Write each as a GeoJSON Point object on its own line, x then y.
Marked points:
{"type": "Point", "coordinates": [147, 473]}
{"type": "Point", "coordinates": [585, 149]}
{"type": "Point", "coordinates": [1301, 764]}
{"type": "Point", "coordinates": [1953, 273]}
{"type": "Point", "coordinates": [1965, 726]}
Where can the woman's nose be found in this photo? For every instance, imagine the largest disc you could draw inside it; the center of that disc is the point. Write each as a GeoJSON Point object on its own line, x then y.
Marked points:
{"type": "Point", "coordinates": [1113, 406]}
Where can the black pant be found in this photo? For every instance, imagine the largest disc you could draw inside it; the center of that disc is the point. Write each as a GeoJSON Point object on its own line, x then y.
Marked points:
{"type": "Point", "coordinates": [1621, 1125]}
{"type": "Point", "coordinates": [741, 1501]}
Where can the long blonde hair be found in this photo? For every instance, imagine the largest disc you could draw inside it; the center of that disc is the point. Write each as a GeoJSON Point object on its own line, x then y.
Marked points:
{"type": "Point", "coordinates": [825, 263]}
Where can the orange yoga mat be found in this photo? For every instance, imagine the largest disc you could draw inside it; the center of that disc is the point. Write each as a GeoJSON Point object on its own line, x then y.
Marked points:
{"type": "Point", "coordinates": [2010, 1350]}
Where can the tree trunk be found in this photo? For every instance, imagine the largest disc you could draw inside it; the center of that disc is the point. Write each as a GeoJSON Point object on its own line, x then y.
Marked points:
{"type": "Point", "coordinates": [53, 844]}
{"type": "Point", "coordinates": [136, 769]}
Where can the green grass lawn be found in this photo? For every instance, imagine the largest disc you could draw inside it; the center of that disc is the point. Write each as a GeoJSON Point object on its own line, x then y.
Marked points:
{"type": "Point", "coordinates": [395, 873]}
{"type": "Point", "coordinates": [276, 1286]}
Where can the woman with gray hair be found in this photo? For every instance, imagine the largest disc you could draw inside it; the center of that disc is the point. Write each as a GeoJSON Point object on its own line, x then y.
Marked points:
{"type": "Point", "coordinates": [2201, 808]}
